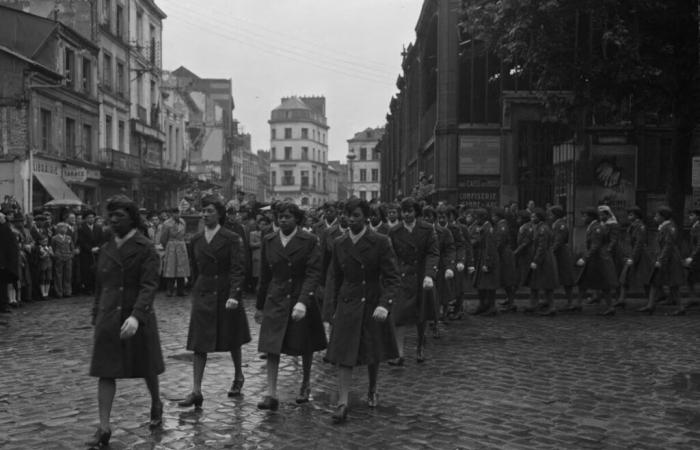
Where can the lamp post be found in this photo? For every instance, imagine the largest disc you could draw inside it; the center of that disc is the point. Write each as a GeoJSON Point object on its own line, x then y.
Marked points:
{"type": "Point", "coordinates": [351, 157]}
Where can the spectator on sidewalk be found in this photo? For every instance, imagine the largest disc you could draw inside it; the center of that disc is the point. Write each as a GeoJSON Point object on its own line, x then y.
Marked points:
{"type": "Point", "coordinates": [9, 262]}
{"type": "Point", "coordinates": [176, 264]}
{"type": "Point", "coordinates": [90, 238]}
{"type": "Point", "coordinates": [63, 249]}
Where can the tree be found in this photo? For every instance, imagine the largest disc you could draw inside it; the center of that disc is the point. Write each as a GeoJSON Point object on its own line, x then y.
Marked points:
{"type": "Point", "coordinates": [620, 62]}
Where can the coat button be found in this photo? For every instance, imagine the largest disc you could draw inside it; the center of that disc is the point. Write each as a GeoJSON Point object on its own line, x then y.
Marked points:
{"type": "Point", "coordinates": [121, 288]}
{"type": "Point", "coordinates": [364, 282]}
{"type": "Point", "coordinates": [362, 299]}
{"type": "Point", "coordinates": [289, 296]}
{"type": "Point", "coordinates": [290, 280]}
{"type": "Point", "coordinates": [290, 264]}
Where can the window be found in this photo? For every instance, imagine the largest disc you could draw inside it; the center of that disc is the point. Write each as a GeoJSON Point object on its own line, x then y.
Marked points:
{"type": "Point", "coordinates": [305, 201]}
{"type": "Point", "coordinates": [313, 134]}
{"type": "Point", "coordinates": [120, 21]}
{"type": "Point", "coordinates": [152, 35]}
{"type": "Point", "coordinates": [120, 79]}
{"type": "Point", "coordinates": [363, 195]}
{"type": "Point", "coordinates": [363, 174]}
{"type": "Point", "coordinates": [375, 195]}
{"type": "Point", "coordinates": [108, 131]}
{"type": "Point", "coordinates": [288, 153]}
{"type": "Point", "coordinates": [69, 67]}
{"type": "Point", "coordinates": [273, 178]}
{"type": "Point", "coordinates": [69, 138]}
{"type": "Point", "coordinates": [375, 154]}
{"type": "Point", "coordinates": [139, 91]}
{"type": "Point", "coordinates": [107, 71]}
{"type": "Point", "coordinates": [87, 143]}
{"type": "Point", "coordinates": [121, 131]}
{"type": "Point", "coordinates": [375, 175]}
{"type": "Point", "coordinates": [107, 12]}
{"type": "Point", "coordinates": [304, 133]}
{"type": "Point", "coordinates": [305, 153]}
{"type": "Point", "coordinates": [154, 96]}
{"type": "Point", "coordinates": [304, 178]}
{"type": "Point", "coordinates": [45, 115]}
{"type": "Point", "coordinates": [273, 133]}
{"type": "Point", "coordinates": [273, 150]}
{"type": "Point", "coordinates": [139, 30]}
{"type": "Point", "coordinates": [288, 178]}
{"type": "Point", "coordinates": [363, 154]}
{"type": "Point", "coordinates": [87, 76]}
{"type": "Point", "coordinates": [287, 133]}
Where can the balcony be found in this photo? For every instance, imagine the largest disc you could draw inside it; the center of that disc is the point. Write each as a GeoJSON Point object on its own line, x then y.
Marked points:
{"type": "Point", "coordinates": [116, 160]}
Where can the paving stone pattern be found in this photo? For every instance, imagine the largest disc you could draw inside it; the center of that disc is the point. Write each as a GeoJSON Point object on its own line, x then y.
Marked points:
{"type": "Point", "coordinates": [513, 381]}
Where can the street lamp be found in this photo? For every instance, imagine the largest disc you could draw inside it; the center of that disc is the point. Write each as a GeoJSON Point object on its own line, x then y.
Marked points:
{"type": "Point", "coordinates": [351, 157]}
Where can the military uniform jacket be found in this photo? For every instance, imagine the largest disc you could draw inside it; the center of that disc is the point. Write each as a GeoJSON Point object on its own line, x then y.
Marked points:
{"type": "Point", "coordinates": [694, 273]}
{"type": "Point", "coordinates": [506, 260]}
{"type": "Point", "coordinates": [218, 274]}
{"type": "Point", "coordinates": [364, 275]}
{"type": "Point", "coordinates": [636, 275]}
{"type": "Point", "coordinates": [486, 257]}
{"type": "Point", "coordinates": [545, 276]}
{"type": "Point", "coordinates": [418, 256]}
{"type": "Point", "coordinates": [599, 269]}
{"type": "Point", "coordinates": [562, 253]}
{"type": "Point", "coordinates": [446, 247]}
{"type": "Point", "coordinates": [290, 274]}
{"type": "Point", "coordinates": [127, 280]}
{"type": "Point", "coordinates": [614, 245]}
{"type": "Point", "coordinates": [671, 272]}
{"type": "Point", "coordinates": [524, 251]}
{"type": "Point", "coordinates": [462, 279]}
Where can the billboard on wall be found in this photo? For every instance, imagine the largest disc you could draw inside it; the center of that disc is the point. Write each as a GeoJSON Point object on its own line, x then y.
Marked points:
{"type": "Point", "coordinates": [479, 155]}
{"type": "Point", "coordinates": [479, 191]}
{"type": "Point", "coordinates": [615, 175]}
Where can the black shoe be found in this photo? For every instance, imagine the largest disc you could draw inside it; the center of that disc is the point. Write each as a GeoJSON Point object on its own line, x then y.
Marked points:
{"type": "Point", "coordinates": [269, 403]}
{"type": "Point", "coordinates": [592, 300]}
{"type": "Point", "coordinates": [192, 399]}
{"type": "Point", "coordinates": [420, 355]}
{"type": "Point", "coordinates": [479, 311]}
{"type": "Point", "coordinates": [340, 415]}
{"type": "Point", "coordinates": [509, 308]}
{"type": "Point", "coordinates": [573, 308]}
{"type": "Point", "coordinates": [678, 312]}
{"type": "Point", "coordinates": [181, 294]}
{"type": "Point", "coordinates": [622, 305]}
{"type": "Point", "coordinates": [263, 355]}
{"type": "Point", "coordinates": [436, 333]}
{"type": "Point", "coordinates": [100, 439]}
{"type": "Point", "coordinates": [491, 312]}
{"type": "Point", "coordinates": [529, 310]}
{"type": "Point", "coordinates": [647, 309]}
{"type": "Point", "coordinates": [607, 312]}
{"type": "Point", "coordinates": [156, 415]}
{"type": "Point", "coordinates": [6, 311]}
{"type": "Point", "coordinates": [304, 394]}
{"type": "Point", "coordinates": [548, 313]}
{"type": "Point", "coordinates": [398, 362]}
{"type": "Point", "coordinates": [372, 399]}
{"type": "Point", "coordinates": [236, 387]}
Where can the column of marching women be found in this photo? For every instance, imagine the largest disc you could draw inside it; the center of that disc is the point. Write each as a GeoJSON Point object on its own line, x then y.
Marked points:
{"type": "Point", "coordinates": [355, 278]}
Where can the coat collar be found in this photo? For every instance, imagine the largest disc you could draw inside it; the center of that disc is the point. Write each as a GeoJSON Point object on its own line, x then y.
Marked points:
{"type": "Point", "coordinates": [132, 246]}
{"type": "Point", "coordinates": [297, 242]}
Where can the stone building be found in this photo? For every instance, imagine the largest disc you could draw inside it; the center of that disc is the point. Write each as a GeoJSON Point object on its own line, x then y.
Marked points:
{"type": "Point", "coordinates": [364, 164]}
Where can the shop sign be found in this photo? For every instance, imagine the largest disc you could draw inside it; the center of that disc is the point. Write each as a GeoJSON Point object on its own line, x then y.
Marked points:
{"type": "Point", "coordinates": [70, 174]}
{"type": "Point", "coordinates": [44, 166]}
{"type": "Point", "coordinates": [479, 191]}
{"type": "Point", "coordinates": [479, 155]}
{"type": "Point", "coordinates": [75, 174]}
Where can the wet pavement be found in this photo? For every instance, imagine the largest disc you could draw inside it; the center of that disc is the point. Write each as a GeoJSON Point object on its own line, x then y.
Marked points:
{"type": "Point", "coordinates": [566, 382]}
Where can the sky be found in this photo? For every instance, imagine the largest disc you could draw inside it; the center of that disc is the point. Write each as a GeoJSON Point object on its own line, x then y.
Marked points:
{"type": "Point", "coordinates": [346, 50]}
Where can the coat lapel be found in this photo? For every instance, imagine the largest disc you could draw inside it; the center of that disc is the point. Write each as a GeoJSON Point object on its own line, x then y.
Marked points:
{"type": "Point", "coordinates": [112, 252]}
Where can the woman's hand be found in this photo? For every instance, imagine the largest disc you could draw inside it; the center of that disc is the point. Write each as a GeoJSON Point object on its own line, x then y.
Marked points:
{"type": "Point", "coordinates": [231, 303]}
{"type": "Point", "coordinates": [299, 311]}
{"type": "Point", "coordinates": [380, 314]}
{"type": "Point", "coordinates": [129, 327]}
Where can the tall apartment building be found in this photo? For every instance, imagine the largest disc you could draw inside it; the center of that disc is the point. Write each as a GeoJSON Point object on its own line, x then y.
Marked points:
{"type": "Point", "coordinates": [299, 151]}
{"type": "Point", "coordinates": [364, 164]}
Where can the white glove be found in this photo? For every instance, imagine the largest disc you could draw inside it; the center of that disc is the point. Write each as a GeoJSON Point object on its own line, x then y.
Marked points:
{"type": "Point", "coordinates": [628, 262]}
{"type": "Point", "coordinates": [657, 264]}
{"type": "Point", "coordinates": [533, 266]}
{"type": "Point", "coordinates": [299, 311]}
{"type": "Point", "coordinates": [129, 327]}
{"type": "Point", "coordinates": [427, 283]}
{"type": "Point", "coordinates": [231, 303]}
{"type": "Point", "coordinates": [580, 262]}
{"type": "Point", "coordinates": [449, 274]}
{"type": "Point", "coordinates": [471, 269]}
{"type": "Point", "coordinates": [460, 267]}
{"type": "Point", "coordinates": [688, 261]}
{"type": "Point", "coordinates": [380, 314]}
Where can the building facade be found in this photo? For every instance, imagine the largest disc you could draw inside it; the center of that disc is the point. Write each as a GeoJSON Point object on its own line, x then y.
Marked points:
{"type": "Point", "coordinates": [342, 181]}
{"type": "Point", "coordinates": [263, 183]}
{"type": "Point", "coordinates": [364, 164]}
{"type": "Point", "coordinates": [299, 151]}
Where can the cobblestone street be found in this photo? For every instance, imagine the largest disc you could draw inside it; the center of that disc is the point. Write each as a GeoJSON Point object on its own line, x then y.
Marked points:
{"type": "Point", "coordinates": [627, 382]}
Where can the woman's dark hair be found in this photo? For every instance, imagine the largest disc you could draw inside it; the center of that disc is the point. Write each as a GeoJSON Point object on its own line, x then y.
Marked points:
{"type": "Point", "coordinates": [498, 212]}
{"type": "Point", "coordinates": [539, 213]}
{"type": "Point", "coordinates": [410, 203]}
{"type": "Point", "coordinates": [378, 211]}
{"type": "Point", "coordinates": [128, 205]}
{"type": "Point", "coordinates": [355, 203]}
{"type": "Point", "coordinates": [557, 211]}
{"type": "Point", "coordinates": [218, 205]}
{"type": "Point", "coordinates": [637, 211]}
{"type": "Point", "coordinates": [293, 209]}
{"type": "Point", "coordinates": [665, 212]}
{"type": "Point", "coordinates": [429, 211]}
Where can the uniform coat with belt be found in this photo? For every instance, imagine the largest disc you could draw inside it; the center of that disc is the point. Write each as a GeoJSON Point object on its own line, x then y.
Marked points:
{"type": "Point", "coordinates": [599, 269]}
{"type": "Point", "coordinates": [506, 260]}
{"type": "Point", "coordinates": [326, 240]}
{"type": "Point", "coordinates": [290, 274]}
{"type": "Point", "coordinates": [671, 273]}
{"type": "Point", "coordinates": [545, 276]}
{"type": "Point", "coordinates": [88, 238]}
{"type": "Point", "coordinates": [218, 275]}
{"type": "Point", "coordinates": [485, 255]}
{"type": "Point", "coordinates": [562, 253]}
{"type": "Point", "coordinates": [464, 280]}
{"type": "Point", "coordinates": [418, 256]}
{"type": "Point", "coordinates": [524, 251]}
{"type": "Point", "coordinates": [364, 275]}
{"type": "Point", "coordinates": [637, 275]}
{"type": "Point", "coordinates": [448, 260]}
{"type": "Point", "coordinates": [126, 283]}
{"type": "Point", "coordinates": [694, 268]}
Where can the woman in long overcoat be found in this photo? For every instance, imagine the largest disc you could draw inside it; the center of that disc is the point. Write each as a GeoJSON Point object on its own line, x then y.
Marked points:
{"type": "Point", "coordinates": [446, 267]}
{"type": "Point", "coordinates": [638, 263]}
{"type": "Point", "coordinates": [416, 246]}
{"type": "Point", "coordinates": [487, 277]}
{"type": "Point", "coordinates": [524, 250]}
{"type": "Point", "coordinates": [176, 262]}
{"type": "Point", "coordinates": [218, 321]}
{"type": "Point", "coordinates": [506, 259]}
{"type": "Point", "coordinates": [668, 267]}
{"type": "Point", "coordinates": [543, 268]}
{"type": "Point", "coordinates": [287, 309]}
{"type": "Point", "coordinates": [364, 288]}
{"type": "Point", "coordinates": [598, 269]}
{"type": "Point", "coordinates": [464, 258]}
{"type": "Point", "coordinates": [126, 341]}
{"type": "Point", "coordinates": [563, 256]}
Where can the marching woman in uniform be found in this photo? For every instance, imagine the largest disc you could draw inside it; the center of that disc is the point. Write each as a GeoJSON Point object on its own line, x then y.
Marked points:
{"type": "Point", "coordinates": [563, 257]}
{"type": "Point", "coordinates": [176, 263]}
{"type": "Point", "coordinates": [598, 271]}
{"type": "Point", "coordinates": [668, 267]}
{"type": "Point", "coordinates": [446, 267]}
{"type": "Point", "coordinates": [218, 321]}
{"type": "Point", "coordinates": [506, 260]}
{"type": "Point", "coordinates": [543, 268]}
{"type": "Point", "coordinates": [523, 253]}
{"type": "Point", "coordinates": [363, 282]}
{"type": "Point", "coordinates": [692, 262]}
{"type": "Point", "coordinates": [487, 277]}
{"type": "Point", "coordinates": [416, 246]}
{"type": "Point", "coordinates": [464, 258]}
{"type": "Point", "coordinates": [126, 343]}
{"type": "Point", "coordinates": [638, 263]}
{"type": "Point", "coordinates": [290, 318]}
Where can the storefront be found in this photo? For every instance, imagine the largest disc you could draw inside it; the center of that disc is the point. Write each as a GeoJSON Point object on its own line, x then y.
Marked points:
{"type": "Point", "coordinates": [55, 180]}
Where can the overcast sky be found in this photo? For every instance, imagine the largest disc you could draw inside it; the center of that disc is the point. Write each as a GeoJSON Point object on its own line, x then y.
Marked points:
{"type": "Point", "coordinates": [348, 51]}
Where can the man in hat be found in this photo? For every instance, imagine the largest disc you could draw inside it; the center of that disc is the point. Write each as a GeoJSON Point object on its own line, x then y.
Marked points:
{"type": "Point", "coordinates": [90, 238]}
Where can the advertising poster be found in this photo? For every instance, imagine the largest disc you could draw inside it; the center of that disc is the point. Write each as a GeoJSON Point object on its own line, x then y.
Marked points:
{"type": "Point", "coordinates": [615, 176]}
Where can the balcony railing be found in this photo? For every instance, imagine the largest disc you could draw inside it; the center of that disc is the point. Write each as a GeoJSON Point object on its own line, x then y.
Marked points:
{"type": "Point", "coordinates": [114, 159]}
{"type": "Point", "coordinates": [80, 153]}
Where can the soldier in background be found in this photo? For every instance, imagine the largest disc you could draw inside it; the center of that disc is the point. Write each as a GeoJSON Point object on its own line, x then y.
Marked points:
{"type": "Point", "coordinates": [692, 262]}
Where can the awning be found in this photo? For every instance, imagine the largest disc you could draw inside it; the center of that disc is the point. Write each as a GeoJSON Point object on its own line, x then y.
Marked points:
{"type": "Point", "coordinates": [56, 187]}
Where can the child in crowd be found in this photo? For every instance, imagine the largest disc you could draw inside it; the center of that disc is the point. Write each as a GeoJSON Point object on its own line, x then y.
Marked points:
{"type": "Point", "coordinates": [45, 267]}
{"type": "Point", "coordinates": [63, 247]}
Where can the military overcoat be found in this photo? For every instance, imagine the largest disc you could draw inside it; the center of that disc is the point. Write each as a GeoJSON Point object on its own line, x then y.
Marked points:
{"type": "Point", "coordinates": [485, 257]}
{"type": "Point", "coordinates": [545, 276]}
{"type": "Point", "coordinates": [599, 269]}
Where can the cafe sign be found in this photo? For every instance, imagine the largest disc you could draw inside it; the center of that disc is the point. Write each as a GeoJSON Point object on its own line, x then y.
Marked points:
{"type": "Point", "coordinates": [70, 174]}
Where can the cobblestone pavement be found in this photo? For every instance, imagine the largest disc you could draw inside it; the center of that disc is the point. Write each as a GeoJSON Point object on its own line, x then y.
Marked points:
{"type": "Point", "coordinates": [571, 381]}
